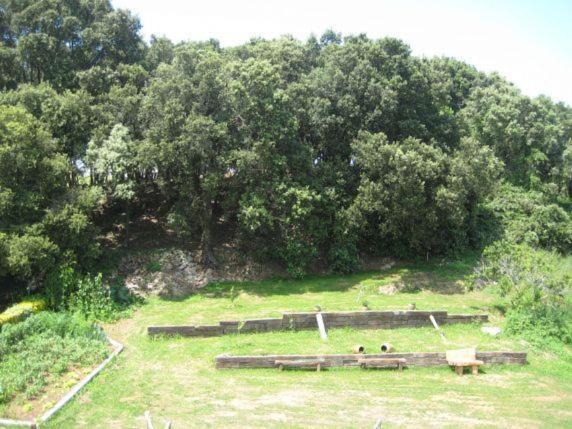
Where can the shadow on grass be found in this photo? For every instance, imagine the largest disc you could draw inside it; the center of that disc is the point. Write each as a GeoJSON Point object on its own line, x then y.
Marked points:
{"type": "Point", "coordinates": [493, 308]}
{"type": "Point", "coordinates": [280, 286]}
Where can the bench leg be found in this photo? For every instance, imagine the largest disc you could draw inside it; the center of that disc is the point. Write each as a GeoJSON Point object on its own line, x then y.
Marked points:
{"type": "Point", "coordinates": [475, 369]}
{"type": "Point", "coordinates": [459, 370]}
{"type": "Point", "coordinates": [318, 367]}
{"type": "Point", "coordinates": [280, 367]}
{"type": "Point", "coordinates": [400, 367]}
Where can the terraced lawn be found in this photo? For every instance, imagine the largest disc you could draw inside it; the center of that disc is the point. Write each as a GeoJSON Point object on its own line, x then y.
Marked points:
{"type": "Point", "coordinates": [175, 378]}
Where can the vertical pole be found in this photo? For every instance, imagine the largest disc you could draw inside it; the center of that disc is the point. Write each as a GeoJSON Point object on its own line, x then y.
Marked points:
{"type": "Point", "coordinates": [434, 322]}
{"type": "Point", "coordinates": [321, 327]}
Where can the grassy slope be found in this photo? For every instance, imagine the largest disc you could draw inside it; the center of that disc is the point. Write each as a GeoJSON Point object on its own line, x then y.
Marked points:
{"type": "Point", "coordinates": [175, 378]}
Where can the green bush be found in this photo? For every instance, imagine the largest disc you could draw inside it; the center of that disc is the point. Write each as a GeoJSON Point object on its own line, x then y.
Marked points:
{"type": "Point", "coordinates": [343, 259]}
{"type": "Point", "coordinates": [153, 266]}
{"type": "Point", "coordinates": [59, 286]}
{"type": "Point", "coordinates": [30, 255]}
{"type": "Point", "coordinates": [296, 254]}
{"type": "Point", "coordinates": [553, 227]}
{"type": "Point", "coordinates": [86, 295]}
{"type": "Point", "coordinates": [22, 310]}
{"type": "Point", "coordinates": [72, 231]}
{"type": "Point", "coordinates": [529, 217]}
{"type": "Point", "coordinates": [533, 291]}
{"type": "Point", "coordinates": [44, 345]}
{"type": "Point", "coordinates": [92, 299]}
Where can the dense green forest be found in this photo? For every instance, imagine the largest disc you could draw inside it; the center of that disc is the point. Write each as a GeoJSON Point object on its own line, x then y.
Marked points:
{"type": "Point", "coordinates": [294, 151]}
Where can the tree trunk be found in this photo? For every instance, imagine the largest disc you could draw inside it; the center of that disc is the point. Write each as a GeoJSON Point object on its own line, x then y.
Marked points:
{"type": "Point", "coordinates": [127, 205]}
{"type": "Point", "coordinates": [207, 257]}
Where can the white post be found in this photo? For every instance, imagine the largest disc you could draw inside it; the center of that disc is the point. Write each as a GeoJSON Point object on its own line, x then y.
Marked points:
{"type": "Point", "coordinates": [321, 326]}
{"type": "Point", "coordinates": [434, 322]}
{"type": "Point", "coordinates": [148, 420]}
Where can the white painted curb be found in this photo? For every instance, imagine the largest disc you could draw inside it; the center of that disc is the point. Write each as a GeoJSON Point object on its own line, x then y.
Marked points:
{"type": "Point", "coordinates": [118, 347]}
{"type": "Point", "coordinates": [12, 423]}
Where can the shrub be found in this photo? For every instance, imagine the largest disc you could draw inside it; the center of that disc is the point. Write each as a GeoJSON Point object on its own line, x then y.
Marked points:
{"type": "Point", "coordinates": [343, 256]}
{"type": "Point", "coordinates": [22, 310]}
{"type": "Point", "coordinates": [529, 217]}
{"type": "Point", "coordinates": [30, 255]}
{"type": "Point", "coordinates": [59, 286]}
{"type": "Point", "coordinates": [153, 266]}
{"type": "Point", "coordinates": [553, 227]}
{"type": "Point", "coordinates": [92, 299]}
{"type": "Point", "coordinates": [72, 231]}
{"type": "Point", "coordinates": [296, 254]}
{"type": "Point", "coordinates": [43, 345]}
{"type": "Point", "coordinates": [87, 295]}
{"type": "Point", "coordinates": [534, 295]}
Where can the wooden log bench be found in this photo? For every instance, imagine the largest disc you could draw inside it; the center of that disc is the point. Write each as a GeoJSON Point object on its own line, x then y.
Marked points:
{"type": "Point", "coordinates": [318, 364]}
{"type": "Point", "coordinates": [465, 358]}
{"type": "Point", "coordinates": [398, 363]}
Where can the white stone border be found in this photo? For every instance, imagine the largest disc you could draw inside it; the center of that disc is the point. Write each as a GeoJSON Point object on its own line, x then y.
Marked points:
{"type": "Point", "coordinates": [12, 423]}
{"type": "Point", "coordinates": [68, 396]}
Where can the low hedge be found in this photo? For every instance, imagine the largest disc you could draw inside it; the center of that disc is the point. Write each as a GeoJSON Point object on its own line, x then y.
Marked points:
{"type": "Point", "coordinates": [22, 310]}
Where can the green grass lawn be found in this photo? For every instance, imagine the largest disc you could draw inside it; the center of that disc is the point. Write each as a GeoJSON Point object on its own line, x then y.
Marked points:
{"type": "Point", "coordinates": [175, 378]}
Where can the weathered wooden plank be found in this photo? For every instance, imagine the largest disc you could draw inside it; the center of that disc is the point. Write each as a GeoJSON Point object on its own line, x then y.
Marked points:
{"type": "Point", "coordinates": [302, 363]}
{"type": "Point", "coordinates": [260, 325]}
{"type": "Point", "coordinates": [307, 320]}
{"type": "Point", "coordinates": [466, 318]}
{"type": "Point", "coordinates": [187, 331]}
{"type": "Point", "coordinates": [412, 359]}
{"type": "Point", "coordinates": [381, 362]}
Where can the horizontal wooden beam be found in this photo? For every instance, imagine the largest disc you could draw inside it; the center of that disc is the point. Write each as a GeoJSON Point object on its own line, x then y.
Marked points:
{"type": "Point", "coordinates": [412, 359]}
{"type": "Point", "coordinates": [338, 319]}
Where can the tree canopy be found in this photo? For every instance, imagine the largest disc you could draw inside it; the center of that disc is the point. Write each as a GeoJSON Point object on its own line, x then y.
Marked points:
{"type": "Point", "coordinates": [298, 151]}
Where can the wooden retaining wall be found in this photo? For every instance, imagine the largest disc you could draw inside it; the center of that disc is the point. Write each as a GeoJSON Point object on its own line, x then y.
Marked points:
{"type": "Point", "coordinates": [338, 319]}
{"type": "Point", "coordinates": [412, 359]}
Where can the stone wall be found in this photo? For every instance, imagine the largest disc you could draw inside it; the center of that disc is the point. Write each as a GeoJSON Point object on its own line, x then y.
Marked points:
{"type": "Point", "coordinates": [338, 319]}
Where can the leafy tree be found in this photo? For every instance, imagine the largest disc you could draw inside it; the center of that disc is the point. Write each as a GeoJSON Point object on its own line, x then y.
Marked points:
{"type": "Point", "coordinates": [67, 115]}
{"type": "Point", "coordinates": [114, 164]}
{"type": "Point", "coordinates": [530, 217]}
{"type": "Point", "coordinates": [53, 39]}
{"type": "Point", "coordinates": [196, 165]}
{"type": "Point", "coordinates": [189, 133]}
{"type": "Point", "coordinates": [33, 172]}
{"type": "Point", "coordinates": [43, 222]}
{"type": "Point", "coordinates": [161, 50]}
{"type": "Point", "coordinates": [396, 197]}
{"type": "Point", "coordinates": [302, 152]}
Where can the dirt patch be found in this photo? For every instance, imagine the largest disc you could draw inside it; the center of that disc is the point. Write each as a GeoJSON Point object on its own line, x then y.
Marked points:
{"type": "Point", "coordinates": [288, 398]}
{"type": "Point", "coordinates": [465, 401]}
{"type": "Point", "coordinates": [390, 289]}
{"type": "Point", "coordinates": [502, 380]}
{"type": "Point", "coordinates": [242, 404]}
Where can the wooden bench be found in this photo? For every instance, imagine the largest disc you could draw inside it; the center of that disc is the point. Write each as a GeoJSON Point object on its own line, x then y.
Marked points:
{"type": "Point", "coordinates": [460, 359]}
{"type": "Point", "coordinates": [318, 364]}
{"type": "Point", "coordinates": [398, 363]}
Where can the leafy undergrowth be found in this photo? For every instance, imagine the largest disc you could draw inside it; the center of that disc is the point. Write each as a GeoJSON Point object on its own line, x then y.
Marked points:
{"type": "Point", "coordinates": [44, 350]}
{"type": "Point", "coordinates": [175, 378]}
